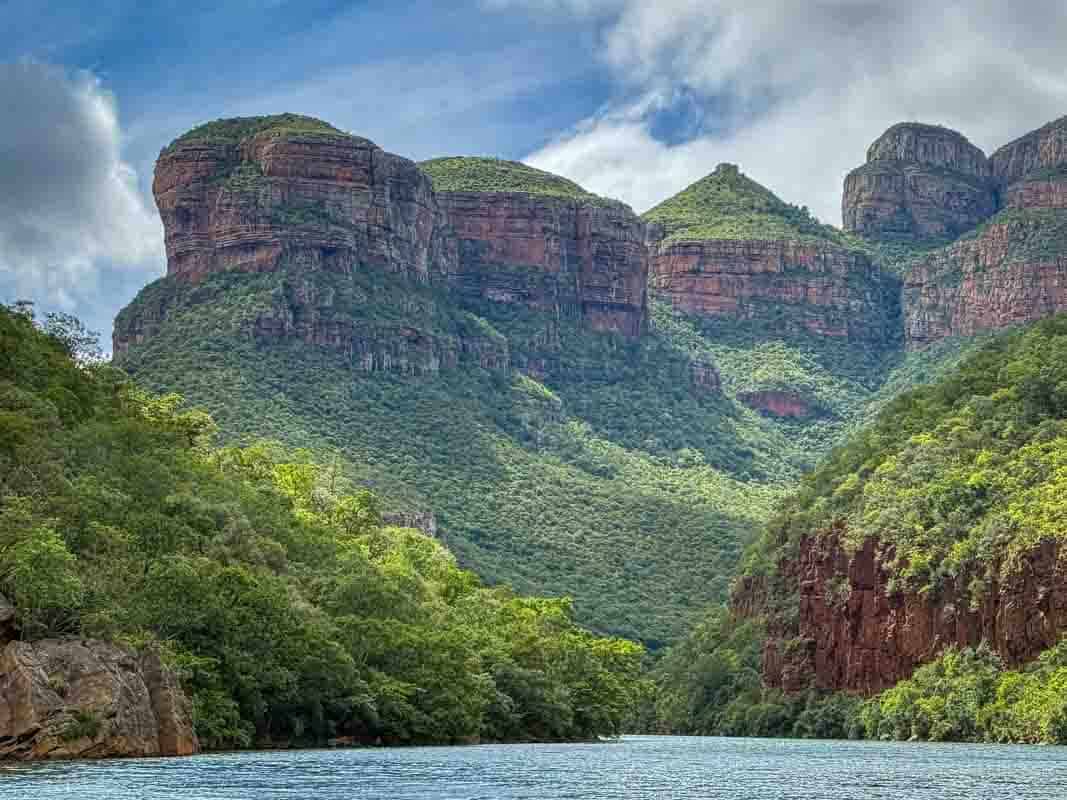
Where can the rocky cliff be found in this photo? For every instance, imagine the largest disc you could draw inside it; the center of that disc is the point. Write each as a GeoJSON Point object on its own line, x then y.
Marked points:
{"type": "Point", "coordinates": [89, 699]}
{"type": "Point", "coordinates": [295, 196]}
{"type": "Point", "coordinates": [1013, 268]}
{"type": "Point", "coordinates": [855, 630]}
{"type": "Point", "coordinates": [561, 255]}
{"type": "Point", "coordinates": [729, 248]}
{"type": "Point", "coordinates": [920, 183]}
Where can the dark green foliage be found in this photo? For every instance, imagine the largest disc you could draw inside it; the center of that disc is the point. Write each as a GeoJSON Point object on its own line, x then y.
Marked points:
{"type": "Point", "coordinates": [729, 205]}
{"type": "Point", "coordinates": [268, 581]}
{"type": "Point", "coordinates": [236, 129]}
{"type": "Point", "coordinates": [710, 685]}
{"type": "Point", "coordinates": [83, 725]}
{"type": "Point", "coordinates": [968, 696]}
{"type": "Point", "coordinates": [962, 476]}
{"type": "Point", "coordinates": [611, 480]}
{"type": "Point", "coordinates": [474, 174]}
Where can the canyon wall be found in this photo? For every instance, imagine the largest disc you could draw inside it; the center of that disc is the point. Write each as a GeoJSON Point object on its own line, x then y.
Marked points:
{"type": "Point", "coordinates": [563, 255]}
{"type": "Point", "coordinates": [856, 631]}
{"type": "Point", "coordinates": [277, 197]}
{"type": "Point", "coordinates": [793, 286]}
{"type": "Point", "coordinates": [1013, 269]}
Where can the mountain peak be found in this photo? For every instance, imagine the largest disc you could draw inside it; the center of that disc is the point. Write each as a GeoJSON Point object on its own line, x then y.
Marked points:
{"type": "Point", "coordinates": [727, 204]}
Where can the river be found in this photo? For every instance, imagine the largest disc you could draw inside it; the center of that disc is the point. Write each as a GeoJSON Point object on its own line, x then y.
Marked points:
{"type": "Point", "coordinates": [638, 767]}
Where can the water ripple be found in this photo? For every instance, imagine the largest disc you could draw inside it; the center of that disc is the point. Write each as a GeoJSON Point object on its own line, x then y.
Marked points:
{"type": "Point", "coordinates": [637, 768]}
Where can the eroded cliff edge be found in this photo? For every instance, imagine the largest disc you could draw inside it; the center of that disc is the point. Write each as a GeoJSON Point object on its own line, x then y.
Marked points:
{"type": "Point", "coordinates": [331, 219]}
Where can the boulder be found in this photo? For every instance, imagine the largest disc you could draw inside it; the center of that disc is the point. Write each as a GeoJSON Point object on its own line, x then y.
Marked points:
{"type": "Point", "coordinates": [90, 699]}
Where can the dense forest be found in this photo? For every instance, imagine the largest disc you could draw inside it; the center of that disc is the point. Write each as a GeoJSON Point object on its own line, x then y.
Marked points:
{"type": "Point", "coordinates": [961, 477]}
{"type": "Point", "coordinates": [266, 579]}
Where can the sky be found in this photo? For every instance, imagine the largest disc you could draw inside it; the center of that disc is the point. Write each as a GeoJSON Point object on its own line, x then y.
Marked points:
{"type": "Point", "coordinates": [632, 99]}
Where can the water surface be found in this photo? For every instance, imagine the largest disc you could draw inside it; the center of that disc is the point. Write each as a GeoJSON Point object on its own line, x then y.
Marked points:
{"type": "Point", "coordinates": [637, 768]}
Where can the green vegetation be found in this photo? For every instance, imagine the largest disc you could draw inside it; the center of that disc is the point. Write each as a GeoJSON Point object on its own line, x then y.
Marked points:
{"type": "Point", "coordinates": [612, 479]}
{"type": "Point", "coordinates": [83, 725]}
{"type": "Point", "coordinates": [709, 684]}
{"type": "Point", "coordinates": [1033, 233]}
{"type": "Point", "coordinates": [474, 174]}
{"type": "Point", "coordinates": [236, 129]}
{"type": "Point", "coordinates": [962, 476]}
{"type": "Point", "coordinates": [968, 696]}
{"type": "Point", "coordinates": [268, 581]}
{"type": "Point", "coordinates": [729, 205]}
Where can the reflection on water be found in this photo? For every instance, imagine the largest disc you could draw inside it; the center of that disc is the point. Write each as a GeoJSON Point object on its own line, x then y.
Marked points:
{"type": "Point", "coordinates": [637, 768]}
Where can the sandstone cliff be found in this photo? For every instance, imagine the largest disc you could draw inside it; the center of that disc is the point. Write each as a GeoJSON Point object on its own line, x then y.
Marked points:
{"type": "Point", "coordinates": [728, 247]}
{"type": "Point", "coordinates": [920, 182]}
{"type": "Point", "coordinates": [856, 630]}
{"type": "Point", "coordinates": [567, 256]}
{"type": "Point", "coordinates": [89, 699]}
{"type": "Point", "coordinates": [1013, 269]}
{"type": "Point", "coordinates": [294, 196]}
{"type": "Point", "coordinates": [1043, 149]}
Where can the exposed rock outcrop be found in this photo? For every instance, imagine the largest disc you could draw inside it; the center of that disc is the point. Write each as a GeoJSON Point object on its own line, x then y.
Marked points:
{"type": "Point", "coordinates": [1043, 149]}
{"type": "Point", "coordinates": [423, 521]}
{"type": "Point", "coordinates": [855, 631]}
{"type": "Point", "coordinates": [1013, 271]}
{"type": "Point", "coordinates": [795, 286]}
{"type": "Point", "coordinates": [778, 404]}
{"type": "Point", "coordinates": [319, 199]}
{"type": "Point", "coordinates": [569, 256]}
{"type": "Point", "coordinates": [292, 194]}
{"type": "Point", "coordinates": [920, 182]}
{"type": "Point", "coordinates": [89, 699]}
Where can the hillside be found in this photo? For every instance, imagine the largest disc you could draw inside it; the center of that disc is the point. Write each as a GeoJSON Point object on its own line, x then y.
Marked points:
{"type": "Point", "coordinates": [921, 565]}
{"type": "Point", "coordinates": [495, 175]}
{"type": "Point", "coordinates": [142, 560]}
{"type": "Point", "coordinates": [591, 403]}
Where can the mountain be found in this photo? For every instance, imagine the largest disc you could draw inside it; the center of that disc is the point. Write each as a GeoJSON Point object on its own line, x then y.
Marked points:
{"type": "Point", "coordinates": [588, 402]}
{"type": "Point", "coordinates": [159, 583]}
{"type": "Point", "coordinates": [921, 564]}
{"type": "Point", "coordinates": [469, 338]}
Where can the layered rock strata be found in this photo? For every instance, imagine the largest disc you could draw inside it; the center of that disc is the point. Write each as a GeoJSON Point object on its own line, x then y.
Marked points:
{"type": "Point", "coordinates": [1013, 271]}
{"type": "Point", "coordinates": [290, 194]}
{"type": "Point", "coordinates": [568, 256]}
{"type": "Point", "coordinates": [856, 632]}
{"type": "Point", "coordinates": [792, 286]}
{"type": "Point", "coordinates": [920, 182]}
{"type": "Point", "coordinates": [89, 699]}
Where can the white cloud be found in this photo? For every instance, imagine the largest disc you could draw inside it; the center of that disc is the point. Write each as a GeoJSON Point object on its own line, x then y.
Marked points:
{"type": "Point", "coordinates": [70, 205]}
{"type": "Point", "coordinates": [806, 86]}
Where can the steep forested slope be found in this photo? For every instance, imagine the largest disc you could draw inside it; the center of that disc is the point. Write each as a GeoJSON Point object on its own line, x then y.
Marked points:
{"type": "Point", "coordinates": [267, 581]}
{"type": "Point", "coordinates": [611, 477]}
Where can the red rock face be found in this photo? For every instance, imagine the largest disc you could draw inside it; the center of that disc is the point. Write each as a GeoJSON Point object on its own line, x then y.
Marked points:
{"type": "Point", "coordinates": [919, 182]}
{"type": "Point", "coordinates": [322, 201]}
{"type": "Point", "coordinates": [1041, 149]}
{"type": "Point", "coordinates": [1045, 193]}
{"type": "Point", "coordinates": [554, 254]}
{"type": "Point", "coordinates": [824, 289]}
{"type": "Point", "coordinates": [856, 634]}
{"type": "Point", "coordinates": [778, 404]}
{"type": "Point", "coordinates": [988, 282]}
